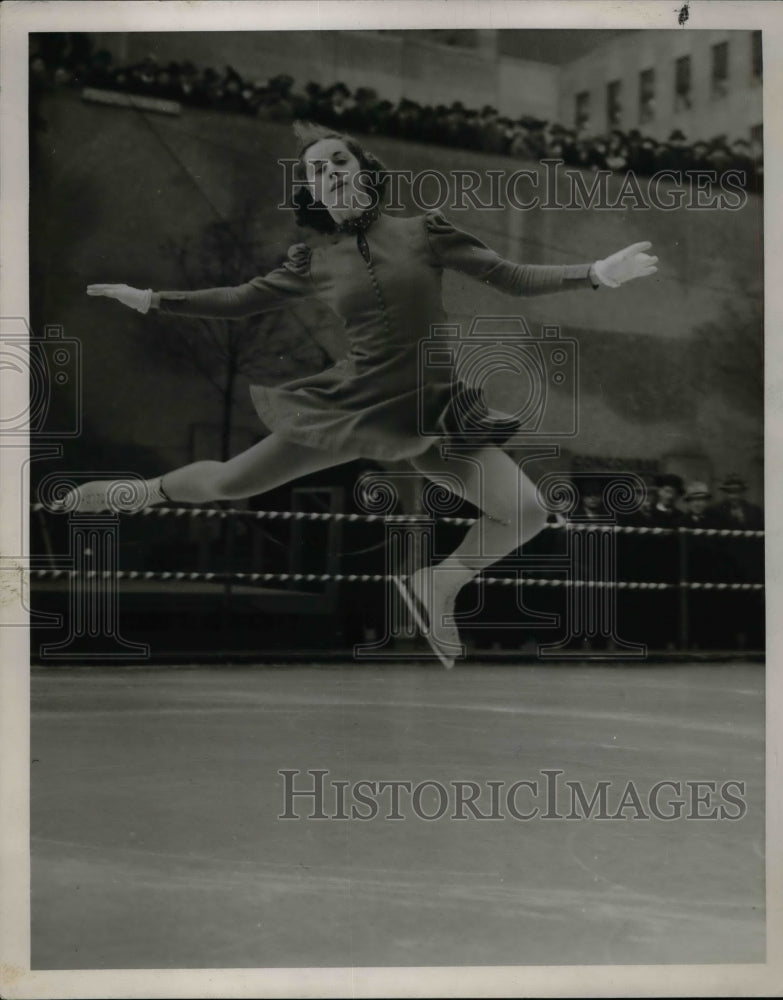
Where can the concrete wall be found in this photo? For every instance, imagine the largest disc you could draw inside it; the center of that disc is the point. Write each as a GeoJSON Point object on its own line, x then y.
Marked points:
{"type": "Point", "coordinates": [625, 57]}
{"type": "Point", "coordinates": [669, 367]}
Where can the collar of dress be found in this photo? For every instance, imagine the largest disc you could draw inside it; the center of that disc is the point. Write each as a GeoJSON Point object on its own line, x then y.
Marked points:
{"type": "Point", "coordinates": [359, 223]}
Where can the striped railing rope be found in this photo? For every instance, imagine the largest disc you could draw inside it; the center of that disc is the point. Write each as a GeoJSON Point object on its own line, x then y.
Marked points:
{"type": "Point", "coordinates": [182, 576]}
{"type": "Point", "coordinates": [299, 515]}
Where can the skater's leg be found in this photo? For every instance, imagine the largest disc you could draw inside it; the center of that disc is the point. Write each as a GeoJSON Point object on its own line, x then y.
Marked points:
{"type": "Point", "coordinates": [264, 466]}
{"type": "Point", "coordinates": [510, 516]}
{"type": "Point", "coordinates": [493, 482]}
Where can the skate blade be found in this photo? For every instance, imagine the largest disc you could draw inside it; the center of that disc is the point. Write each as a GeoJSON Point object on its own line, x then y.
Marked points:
{"type": "Point", "coordinates": [421, 618]}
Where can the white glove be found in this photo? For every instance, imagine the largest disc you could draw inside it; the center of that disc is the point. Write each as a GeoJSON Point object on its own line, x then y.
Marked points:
{"type": "Point", "coordinates": [134, 298]}
{"type": "Point", "coordinates": [625, 265]}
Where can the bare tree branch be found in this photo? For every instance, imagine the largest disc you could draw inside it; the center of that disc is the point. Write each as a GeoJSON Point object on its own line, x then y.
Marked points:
{"type": "Point", "coordinates": [274, 346]}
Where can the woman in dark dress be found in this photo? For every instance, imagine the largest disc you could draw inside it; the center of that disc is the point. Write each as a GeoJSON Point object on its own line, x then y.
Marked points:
{"type": "Point", "coordinates": [382, 275]}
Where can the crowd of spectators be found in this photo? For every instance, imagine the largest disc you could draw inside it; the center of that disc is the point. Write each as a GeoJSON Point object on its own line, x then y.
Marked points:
{"type": "Point", "coordinates": [655, 604]}
{"type": "Point", "coordinates": [69, 60]}
{"type": "Point", "coordinates": [723, 618]}
{"type": "Point", "coordinates": [668, 502]}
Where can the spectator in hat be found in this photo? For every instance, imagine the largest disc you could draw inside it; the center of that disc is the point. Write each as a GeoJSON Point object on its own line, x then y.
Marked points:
{"type": "Point", "coordinates": [645, 157]}
{"type": "Point", "coordinates": [439, 124]}
{"type": "Point", "coordinates": [206, 89]}
{"type": "Point", "coordinates": [705, 562]}
{"type": "Point", "coordinates": [340, 104]}
{"type": "Point", "coordinates": [471, 136]}
{"type": "Point", "coordinates": [318, 99]}
{"type": "Point", "coordinates": [742, 562]}
{"type": "Point", "coordinates": [635, 550]}
{"type": "Point", "coordinates": [281, 84]}
{"type": "Point", "coordinates": [699, 157]}
{"type": "Point", "coordinates": [489, 133]}
{"type": "Point", "coordinates": [702, 552]}
{"type": "Point", "coordinates": [741, 159]}
{"type": "Point", "coordinates": [757, 158]}
{"type": "Point", "coordinates": [570, 146]}
{"type": "Point", "coordinates": [536, 139]}
{"type": "Point", "coordinates": [167, 82]}
{"type": "Point", "coordinates": [520, 145]}
{"type": "Point", "coordinates": [185, 83]}
{"type": "Point", "coordinates": [697, 513]}
{"type": "Point", "coordinates": [617, 151]}
{"type": "Point", "coordinates": [596, 154]}
{"type": "Point", "coordinates": [641, 515]}
{"type": "Point", "coordinates": [506, 130]}
{"type": "Point", "coordinates": [270, 104]}
{"type": "Point", "coordinates": [590, 515]}
{"type": "Point", "coordinates": [591, 504]}
{"type": "Point", "coordinates": [383, 118]}
{"type": "Point", "coordinates": [662, 153]}
{"type": "Point", "coordinates": [362, 114]}
{"type": "Point", "coordinates": [719, 155]}
{"type": "Point", "coordinates": [735, 511]}
{"type": "Point", "coordinates": [676, 157]}
{"type": "Point", "coordinates": [663, 563]}
{"type": "Point", "coordinates": [665, 513]}
{"type": "Point", "coordinates": [144, 74]}
{"type": "Point", "coordinates": [230, 91]}
{"type": "Point", "coordinates": [407, 118]}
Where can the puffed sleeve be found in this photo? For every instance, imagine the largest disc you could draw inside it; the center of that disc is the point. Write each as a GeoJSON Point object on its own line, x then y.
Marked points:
{"type": "Point", "coordinates": [461, 251]}
{"type": "Point", "coordinates": [276, 290]}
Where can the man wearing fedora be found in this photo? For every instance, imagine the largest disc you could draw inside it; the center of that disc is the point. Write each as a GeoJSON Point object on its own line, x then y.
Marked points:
{"type": "Point", "coordinates": [742, 562]}
{"type": "Point", "coordinates": [735, 511]}
{"type": "Point", "coordinates": [705, 559]}
{"type": "Point", "coordinates": [662, 561]}
{"type": "Point", "coordinates": [698, 513]}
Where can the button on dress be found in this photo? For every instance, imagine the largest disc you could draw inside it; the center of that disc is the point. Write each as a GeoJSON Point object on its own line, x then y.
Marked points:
{"type": "Point", "coordinates": [384, 282]}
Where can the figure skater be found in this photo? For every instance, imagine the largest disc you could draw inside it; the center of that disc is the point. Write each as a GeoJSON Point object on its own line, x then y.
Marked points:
{"type": "Point", "coordinates": [381, 274]}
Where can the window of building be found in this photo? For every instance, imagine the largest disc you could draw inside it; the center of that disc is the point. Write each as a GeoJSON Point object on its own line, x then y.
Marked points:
{"type": "Point", "coordinates": [756, 66]}
{"type": "Point", "coordinates": [720, 69]}
{"type": "Point", "coordinates": [582, 117]}
{"type": "Point", "coordinates": [614, 109]}
{"type": "Point", "coordinates": [646, 96]}
{"type": "Point", "coordinates": [682, 84]}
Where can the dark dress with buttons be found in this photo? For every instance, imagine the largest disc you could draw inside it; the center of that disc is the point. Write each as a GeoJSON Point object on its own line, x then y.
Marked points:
{"type": "Point", "coordinates": [384, 281]}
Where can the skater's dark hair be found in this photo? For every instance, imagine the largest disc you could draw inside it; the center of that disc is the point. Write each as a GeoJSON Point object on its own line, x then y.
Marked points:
{"type": "Point", "coordinates": [312, 213]}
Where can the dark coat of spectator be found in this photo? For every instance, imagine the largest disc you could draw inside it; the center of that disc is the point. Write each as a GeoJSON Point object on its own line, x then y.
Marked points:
{"type": "Point", "coordinates": [735, 511]}
{"type": "Point", "coordinates": [664, 512]}
{"type": "Point", "coordinates": [697, 513]}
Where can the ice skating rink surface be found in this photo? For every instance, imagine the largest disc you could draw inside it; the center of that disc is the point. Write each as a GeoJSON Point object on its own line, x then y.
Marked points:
{"type": "Point", "coordinates": [157, 842]}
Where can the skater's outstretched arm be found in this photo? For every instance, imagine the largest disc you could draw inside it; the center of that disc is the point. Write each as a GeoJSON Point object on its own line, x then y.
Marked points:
{"type": "Point", "coordinates": [276, 290]}
{"type": "Point", "coordinates": [460, 251]}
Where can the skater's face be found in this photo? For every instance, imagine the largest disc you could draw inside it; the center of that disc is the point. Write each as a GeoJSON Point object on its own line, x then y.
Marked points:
{"type": "Point", "coordinates": [333, 173]}
{"type": "Point", "coordinates": [666, 495]}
